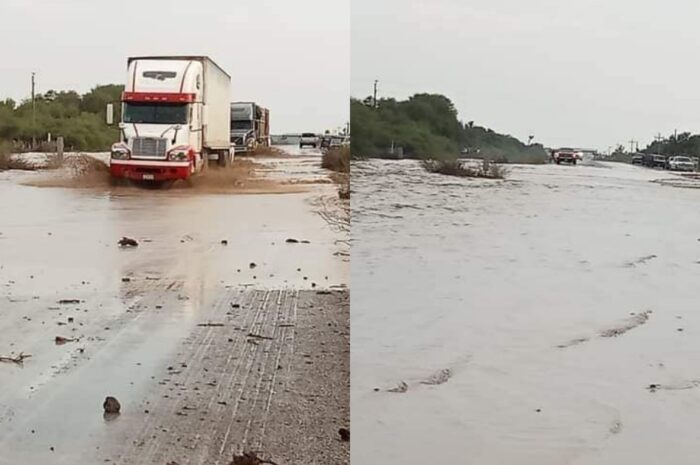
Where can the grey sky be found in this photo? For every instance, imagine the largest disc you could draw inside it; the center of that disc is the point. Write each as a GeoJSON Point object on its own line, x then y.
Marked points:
{"type": "Point", "coordinates": [586, 73]}
{"type": "Point", "coordinates": [291, 56]}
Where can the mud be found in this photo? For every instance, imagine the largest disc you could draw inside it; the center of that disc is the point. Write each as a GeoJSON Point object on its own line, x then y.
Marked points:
{"type": "Point", "coordinates": [133, 315]}
{"type": "Point", "coordinates": [628, 325]}
{"type": "Point", "coordinates": [234, 394]}
{"type": "Point", "coordinates": [493, 277]}
{"type": "Point", "coordinates": [86, 171]}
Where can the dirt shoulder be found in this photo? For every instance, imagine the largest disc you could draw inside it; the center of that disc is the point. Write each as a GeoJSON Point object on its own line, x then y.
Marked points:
{"type": "Point", "coordinates": [265, 371]}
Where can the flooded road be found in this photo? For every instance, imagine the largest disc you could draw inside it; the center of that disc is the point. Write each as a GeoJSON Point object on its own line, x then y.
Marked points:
{"type": "Point", "coordinates": [547, 319]}
{"type": "Point", "coordinates": [130, 313]}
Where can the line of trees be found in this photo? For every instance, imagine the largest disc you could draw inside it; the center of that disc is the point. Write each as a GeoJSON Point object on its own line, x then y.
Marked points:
{"type": "Point", "coordinates": [79, 119]}
{"type": "Point", "coordinates": [684, 143]}
{"type": "Point", "coordinates": [427, 126]}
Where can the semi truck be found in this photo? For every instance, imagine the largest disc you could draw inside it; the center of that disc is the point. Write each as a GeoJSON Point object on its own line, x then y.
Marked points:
{"type": "Point", "coordinates": [175, 118]}
{"type": "Point", "coordinates": [250, 126]}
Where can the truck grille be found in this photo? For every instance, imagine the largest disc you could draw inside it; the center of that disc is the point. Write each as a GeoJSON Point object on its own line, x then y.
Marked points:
{"type": "Point", "coordinates": [149, 147]}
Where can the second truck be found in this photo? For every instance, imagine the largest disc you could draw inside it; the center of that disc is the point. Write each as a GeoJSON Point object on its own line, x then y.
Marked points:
{"type": "Point", "coordinates": [250, 126]}
{"type": "Point", "coordinates": [175, 117]}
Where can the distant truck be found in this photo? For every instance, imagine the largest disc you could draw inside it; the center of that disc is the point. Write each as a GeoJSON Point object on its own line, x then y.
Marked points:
{"type": "Point", "coordinates": [250, 126]}
{"type": "Point", "coordinates": [653, 160]}
{"type": "Point", "coordinates": [175, 117]}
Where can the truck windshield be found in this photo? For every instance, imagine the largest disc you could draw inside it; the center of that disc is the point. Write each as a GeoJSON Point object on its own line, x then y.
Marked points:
{"type": "Point", "coordinates": [155, 113]}
{"type": "Point", "coordinates": [247, 124]}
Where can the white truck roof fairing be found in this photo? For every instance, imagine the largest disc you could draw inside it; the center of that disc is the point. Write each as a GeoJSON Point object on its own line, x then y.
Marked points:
{"type": "Point", "coordinates": [160, 76]}
{"type": "Point", "coordinates": [242, 111]}
{"type": "Point", "coordinates": [199, 58]}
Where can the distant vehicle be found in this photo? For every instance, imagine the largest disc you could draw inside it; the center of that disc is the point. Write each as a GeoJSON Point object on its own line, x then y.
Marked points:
{"type": "Point", "coordinates": [250, 126]}
{"type": "Point", "coordinates": [655, 161]}
{"type": "Point", "coordinates": [309, 139]}
{"type": "Point", "coordinates": [175, 117]}
{"type": "Point", "coordinates": [325, 141]}
{"type": "Point", "coordinates": [331, 141]}
{"type": "Point", "coordinates": [638, 160]}
{"type": "Point", "coordinates": [681, 164]}
{"type": "Point", "coordinates": [564, 156]}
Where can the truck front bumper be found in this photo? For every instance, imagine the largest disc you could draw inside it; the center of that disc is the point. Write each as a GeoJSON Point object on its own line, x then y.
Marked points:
{"type": "Point", "coordinates": [147, 170]}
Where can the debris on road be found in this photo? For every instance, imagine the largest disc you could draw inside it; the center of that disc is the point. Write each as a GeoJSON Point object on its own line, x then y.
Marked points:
{"type": "Point", "coordinates": [210, 324]}
{"type": "Point", "coordinates": [250, 458]}
{"type": "Point", "coordinates": [630, 323]}
{"type": "Point", "coordinates": [60, 340]}
{"type": "Point", "coordinates": [252, 265]}
{"type": "Point", "coordinates": [127, 242]}
{"type": "Point", "coordinates": [69, 301]}
{"type": "Point", "coordinates": [344, 434]}
{"type": "Point", "coordinates": [111, 405]}
{"type": "Point", "coordinates": [291, 240]}
{"type": "Point", "coordinates": [400, 388]}
{"type": "Point", "coordinates": [19, 359]}
{"type": "Point", "coordinates": [440, 377]}
{"type": "Point", "coordinates": [224, 242]}
{"type": "Point", "coordinates": [258, 336]}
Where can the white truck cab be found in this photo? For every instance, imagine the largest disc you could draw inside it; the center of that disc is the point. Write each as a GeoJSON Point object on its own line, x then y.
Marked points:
{"type": "Point", "coordinates": [175, 116]}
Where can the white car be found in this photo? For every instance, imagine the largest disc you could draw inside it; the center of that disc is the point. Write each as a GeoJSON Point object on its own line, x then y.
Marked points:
{"type": "Point", "coordinates": [681, 164]}
{"type": "Point", "coordinates": [308, 140]}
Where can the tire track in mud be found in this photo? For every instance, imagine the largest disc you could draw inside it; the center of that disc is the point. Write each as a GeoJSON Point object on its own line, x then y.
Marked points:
{"type": "Point", "coordinates": [162, 406]}
{"type": "Point", "coordinates": [226, 392]}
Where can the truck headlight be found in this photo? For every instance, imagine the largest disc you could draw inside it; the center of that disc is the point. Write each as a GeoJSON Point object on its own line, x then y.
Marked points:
{"type": "Point", "coordinates": [120, 154]}
{"type": "Point", "coordinates": [178, 156]}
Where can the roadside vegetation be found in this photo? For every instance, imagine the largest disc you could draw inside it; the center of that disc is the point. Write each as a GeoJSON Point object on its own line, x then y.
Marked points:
{"type": "Point", "coordinates": [486, 169]}
{"type": "Point", "coordinates": [4, 155]}
{"type": "Point", "coordinates": [684, 143]}
{"type": "Point", "coordinates": [8, 162]}
{"type": "Point", "coordinates": [337, 159]}
{"type": "Point", "coordinates": [79, 119]}
{"type": "Point", "coordinates": [427, 126]}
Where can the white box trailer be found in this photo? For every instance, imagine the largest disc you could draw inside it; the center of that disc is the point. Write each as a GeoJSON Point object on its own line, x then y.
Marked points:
{"type": "Point", "coordinates": [175, 116]}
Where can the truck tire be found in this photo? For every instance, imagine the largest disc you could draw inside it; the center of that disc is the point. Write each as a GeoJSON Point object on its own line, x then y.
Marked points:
{"type": "Point", "coordinates": [573, 162]}
{"type": "Point", "coordinates": [224, 156]}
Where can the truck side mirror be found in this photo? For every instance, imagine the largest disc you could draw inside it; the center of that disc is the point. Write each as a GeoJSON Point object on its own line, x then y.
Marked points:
{"type": "Point", "coordinates": [110, 114]}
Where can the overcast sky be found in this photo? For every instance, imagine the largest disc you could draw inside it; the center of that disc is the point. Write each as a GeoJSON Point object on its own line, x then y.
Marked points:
{"type": "Point", "coordinates": [291, 56]}
{"type": "Point", "coordinates": [590, 73]}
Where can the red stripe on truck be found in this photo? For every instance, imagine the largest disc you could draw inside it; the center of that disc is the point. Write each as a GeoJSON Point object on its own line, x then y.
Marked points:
{"type": "Point", "coordinates": [157, 97]}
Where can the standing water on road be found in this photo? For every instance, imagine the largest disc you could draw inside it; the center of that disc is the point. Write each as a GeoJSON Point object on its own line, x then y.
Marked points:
{"type": "Point", "coordinates": [195, 322]}
{"type": "Point", "coordinates": [546, 319]}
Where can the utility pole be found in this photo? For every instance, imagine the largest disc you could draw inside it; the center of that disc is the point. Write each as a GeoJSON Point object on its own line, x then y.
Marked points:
{"type": "Point", "coordinates": [632, 142]}
{"type": "Point", "coordinates": [659, 139]}
{"type": "Point", "coordinates": [374, 99]}
{"type": "Point", "coordinates": [33, 113]}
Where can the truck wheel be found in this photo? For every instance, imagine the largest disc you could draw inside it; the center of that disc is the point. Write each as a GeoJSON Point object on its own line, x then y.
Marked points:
{"type": "Point", "coordinates": [223, 158]}
{"type": "Point", "coordinates": [573, 162]}
{"type": "Point", "coordinates": [205, 161]}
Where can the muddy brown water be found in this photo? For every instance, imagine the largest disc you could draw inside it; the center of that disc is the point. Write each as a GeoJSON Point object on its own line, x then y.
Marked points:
{"type": "Point", "coordinates": [136, 305]}
{"type": "Point", "coordinates": [510, 285]}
